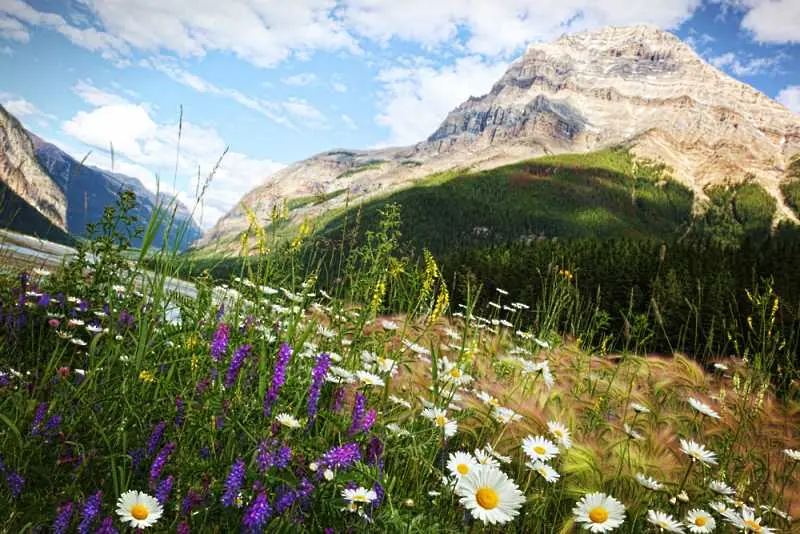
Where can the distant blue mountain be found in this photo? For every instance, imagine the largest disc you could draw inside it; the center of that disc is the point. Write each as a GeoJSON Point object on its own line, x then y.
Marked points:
{"type": "Point", "coordinates": [89, 190]}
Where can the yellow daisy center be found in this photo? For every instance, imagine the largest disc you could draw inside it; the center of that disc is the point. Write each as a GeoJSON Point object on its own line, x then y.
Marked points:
{"type": "Point", "coordinates": [140, 511]}
{"type": "Point", "coordinates": [463, 469]}
{"type": "Point", "coordinates": [598, 514]}
{"type": "Point", "coordinates": [455, 373]}
{"type": "Point", "coordinates": [360, 498]}
{"type": "Point", "coordinates": [440, 420]}
{"type": "Point", "coordinates": [487, 498]}
{"type": "Point", "coordinates": [700, 521]}
{"type": "Point", "coordinates": [539, 449]}
{"type": "Point", "coordinates": [558, 433]}
{"type": "Point", "coordinates": [752, 525]}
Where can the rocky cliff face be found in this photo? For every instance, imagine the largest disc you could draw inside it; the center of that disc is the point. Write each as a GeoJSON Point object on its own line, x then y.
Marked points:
{"type": "Point", "coordinates": [90, 189]}
{"type": "Point", "coordinates": [20, 172]}
{"type": "Point", "coordinates": [637, 86]}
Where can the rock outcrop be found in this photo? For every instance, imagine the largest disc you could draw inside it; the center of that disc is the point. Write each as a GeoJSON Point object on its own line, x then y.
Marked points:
{"type": "Point", "coordinates": [638, 87]}
{"type": "Point", "coordinates": [21, 172]}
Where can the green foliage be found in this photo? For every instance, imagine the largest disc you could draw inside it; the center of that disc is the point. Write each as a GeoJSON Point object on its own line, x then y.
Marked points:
{"type": "Point", "coordinates": [737, 212]}
{"type": "Point", "coordinates": [601, 195]}
{"type": "Point", "coordinates": [375, 164]}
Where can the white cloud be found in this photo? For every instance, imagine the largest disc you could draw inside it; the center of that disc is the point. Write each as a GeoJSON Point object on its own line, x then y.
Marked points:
{"type": "Point", "coordinates": [7, 51]}
{"type": "Point", "coordinates": [790, 97]}
{"type": "Point", "coordinates": [306, 112]}
{"type": "Point", "coordinates": [264, 33]}
{"type": "Point", "coordinates": [304, 78]}
{"type": "Point", "coordinates": [23, 109]}
{"type": "Point", "coordinates": [770, 21]}
{"type": "Point", "coordinates": [416, 98]}
{"type": "Point", "coordinates": [95, 96]}
{"type": "Point", "coordinates": [145, 149]}
{"type": "Point", "coordinates": [339, 87]}
{"type": "Point", "coordinates": [349, 122]}
{"type": "Point", "coordinates": [501, 27]}
{"type": "Point", "coordinates": [747, 66]}
{"type": "Point", "coordinates": [13, 30]}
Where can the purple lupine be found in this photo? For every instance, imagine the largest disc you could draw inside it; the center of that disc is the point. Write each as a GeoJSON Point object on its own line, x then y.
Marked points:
{"type": "Point", "coordinates": [183, 528]}
{"type": "Point", "coordinates": [258, 514]}
{"type": "Point", "coordinates": [202, 385]}
{"type": "Point", "coordinates": [107, 526]}
{"type": "Point", "coordinates": [51, 427]}
{"type": "Point", "coordinates": [379, 491]}
{"type": "Point", "coordinates": [233, 483]}
{"type": "Point", "coordinates": [321, 367]}
{"type": "Point", "coordinates": [272, 453]}
{"type": "Point", "coordinates": [339, 457]}
{"type": "Point", "coordinates": [164, 489]}
{"type": "Point", "coordinates": [338, 399]}
{"type": "Point", "coordinates": [375, 453]}
{"type": "Point", "coordinates": [278, 377]}
{"type": "Point", "coordinates": [369, 420]}
{"type": "Point", "coordinates": [190, 501]}
{"type": "Point", "coordinates": [285, 501]}
{"type": "Point", "coordinates": [248, 321]}
{"type": "Point", "coordinates": [155, 437]}
{"type": "Point", "coordinates": [38, 417]}
{"type": "Point", "coordinates": [219, 343]}
{"type": "Point", "coordinates": [359, 407]}
{"type": "Point", "coordinates": [220, 312]}
{"type": "Point", "coordinates": [61, 524]}
{"type": "Point", "coordinates": [160, 462]}
{"type": "Point", "coordinates": [137, 456]}
{"type": "Point", "coordinates": [180, 412]}
{"type": "Point", "coordinates": [91, 509]}
{"type": "Point", "coordinates": [44, 300]}
{"type": "Point", "coordinates": [236, 364]}
{"type": "Point", "coordinates": [15, 483]}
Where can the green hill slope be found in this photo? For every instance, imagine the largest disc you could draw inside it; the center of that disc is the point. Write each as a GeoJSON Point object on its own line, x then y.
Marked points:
{"type": "Point", "coordinates": [598, 195]}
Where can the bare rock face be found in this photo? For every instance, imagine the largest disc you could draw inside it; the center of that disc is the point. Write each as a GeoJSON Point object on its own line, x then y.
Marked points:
{"type": "Point", "coordinates": [21, 172]}
{"type": "Point", "coordinates": [638, 86]}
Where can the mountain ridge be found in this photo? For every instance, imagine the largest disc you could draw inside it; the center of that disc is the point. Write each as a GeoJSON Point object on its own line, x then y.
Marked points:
{"type": "Point", "coordinates": [638, 87]}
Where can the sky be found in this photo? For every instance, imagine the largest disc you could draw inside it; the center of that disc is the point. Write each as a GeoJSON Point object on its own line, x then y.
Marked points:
{"type": "Point", "coordinates": [269, 82]}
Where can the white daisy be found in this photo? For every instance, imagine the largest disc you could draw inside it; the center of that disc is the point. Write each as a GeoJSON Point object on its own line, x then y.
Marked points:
{"type": "Point", "coordinates": [386, 365]}
{"type": "Point", "coordinates": [698, 452]}
{"type": "Point", "coordinates": [487, 399]}
{"type": "Point", "coordinates": [633, 434]}
{"type": "Point", "coordinates": [439, 418]}
{"type": "Point", "coordinates": [461, 464]}
{"type": "Point", "coordinates": [489, 495]}
{"type": "Point", "coordinates": [561, 433]}
{"type": "Point", "coordinates": [400, 402]}
{"type": "Point", "coordinates": [548, 473]}
{"type": "Point", "coordinates": [719, 507]}
{"type": "Point", "coordinates": [369, 379]}
{"type": "Point", "coordinates": [700, 522]}
{"type": "Point", "coordinates": [287, 420]}
{"type": "Point", "coordinates": [453, 374]}
{"type": "Point", "coordinates": [139, 509]}
{"type": "Point", "coordinates": [505, 415]}
{"type": "Point", "coordinates": [539, 449]}
{"type": "Point", "coordinates": [793, 454]}
{"type": "Point", "coordinates": [77, 341]}
{"type": "Point", "coordinates": [639, 408]}
{"type": "Point", "coordinates": [720, 367]}
{"type": "Point", "coordinates": [663, 521]}
{"type": "Point", "coordinates": [703, 408]}
{"type": "Point", "coordinates": [359, 495]}
{"type": "Point", "coordinates": [501, 291]}
{"type": "Point", "coordinates": [720, 487]}
{"type": "Point", "coordinates": [599, 512]}
{"type": "Point", "coordinates": [494, 452]}
{"type": "Point", "coordinates": [649, 482]}
{"type": "Point", "coordinates": [485, 457]}
{"type": "Point", "coordinates": [747, 521]}
{"type": "Point", "coordinates": [389, 325]}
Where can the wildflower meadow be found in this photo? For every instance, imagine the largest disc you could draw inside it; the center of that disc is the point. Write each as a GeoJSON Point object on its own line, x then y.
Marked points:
{"type": "Point", "coordinates": [270, 402]}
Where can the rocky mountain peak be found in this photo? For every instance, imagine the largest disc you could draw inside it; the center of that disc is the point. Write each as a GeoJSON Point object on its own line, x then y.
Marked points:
{"type": "Point", "coordinates": [638, 87]}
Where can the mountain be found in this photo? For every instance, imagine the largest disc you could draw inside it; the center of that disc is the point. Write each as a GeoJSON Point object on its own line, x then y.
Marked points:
{"type": "Point", "coordinates": [90, 189]}
{"type": "Point", "coordinates": [638, 87]}
{"type": "Point", "coordinates": [29, 199]}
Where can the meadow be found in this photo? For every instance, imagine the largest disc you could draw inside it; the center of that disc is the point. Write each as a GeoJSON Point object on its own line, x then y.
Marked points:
{"type": "Point", "coordinates": [271, 402]}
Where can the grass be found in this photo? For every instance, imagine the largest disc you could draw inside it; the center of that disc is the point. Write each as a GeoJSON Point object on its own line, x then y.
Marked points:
{"type": "Point", "coordinates": [272, 388]}
{"type": "Point", "coordinates": [374, 164]}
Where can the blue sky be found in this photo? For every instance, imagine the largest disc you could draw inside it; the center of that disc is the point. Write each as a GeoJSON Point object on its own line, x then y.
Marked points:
{"type": "Point", "coordinates": [278, 81]}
